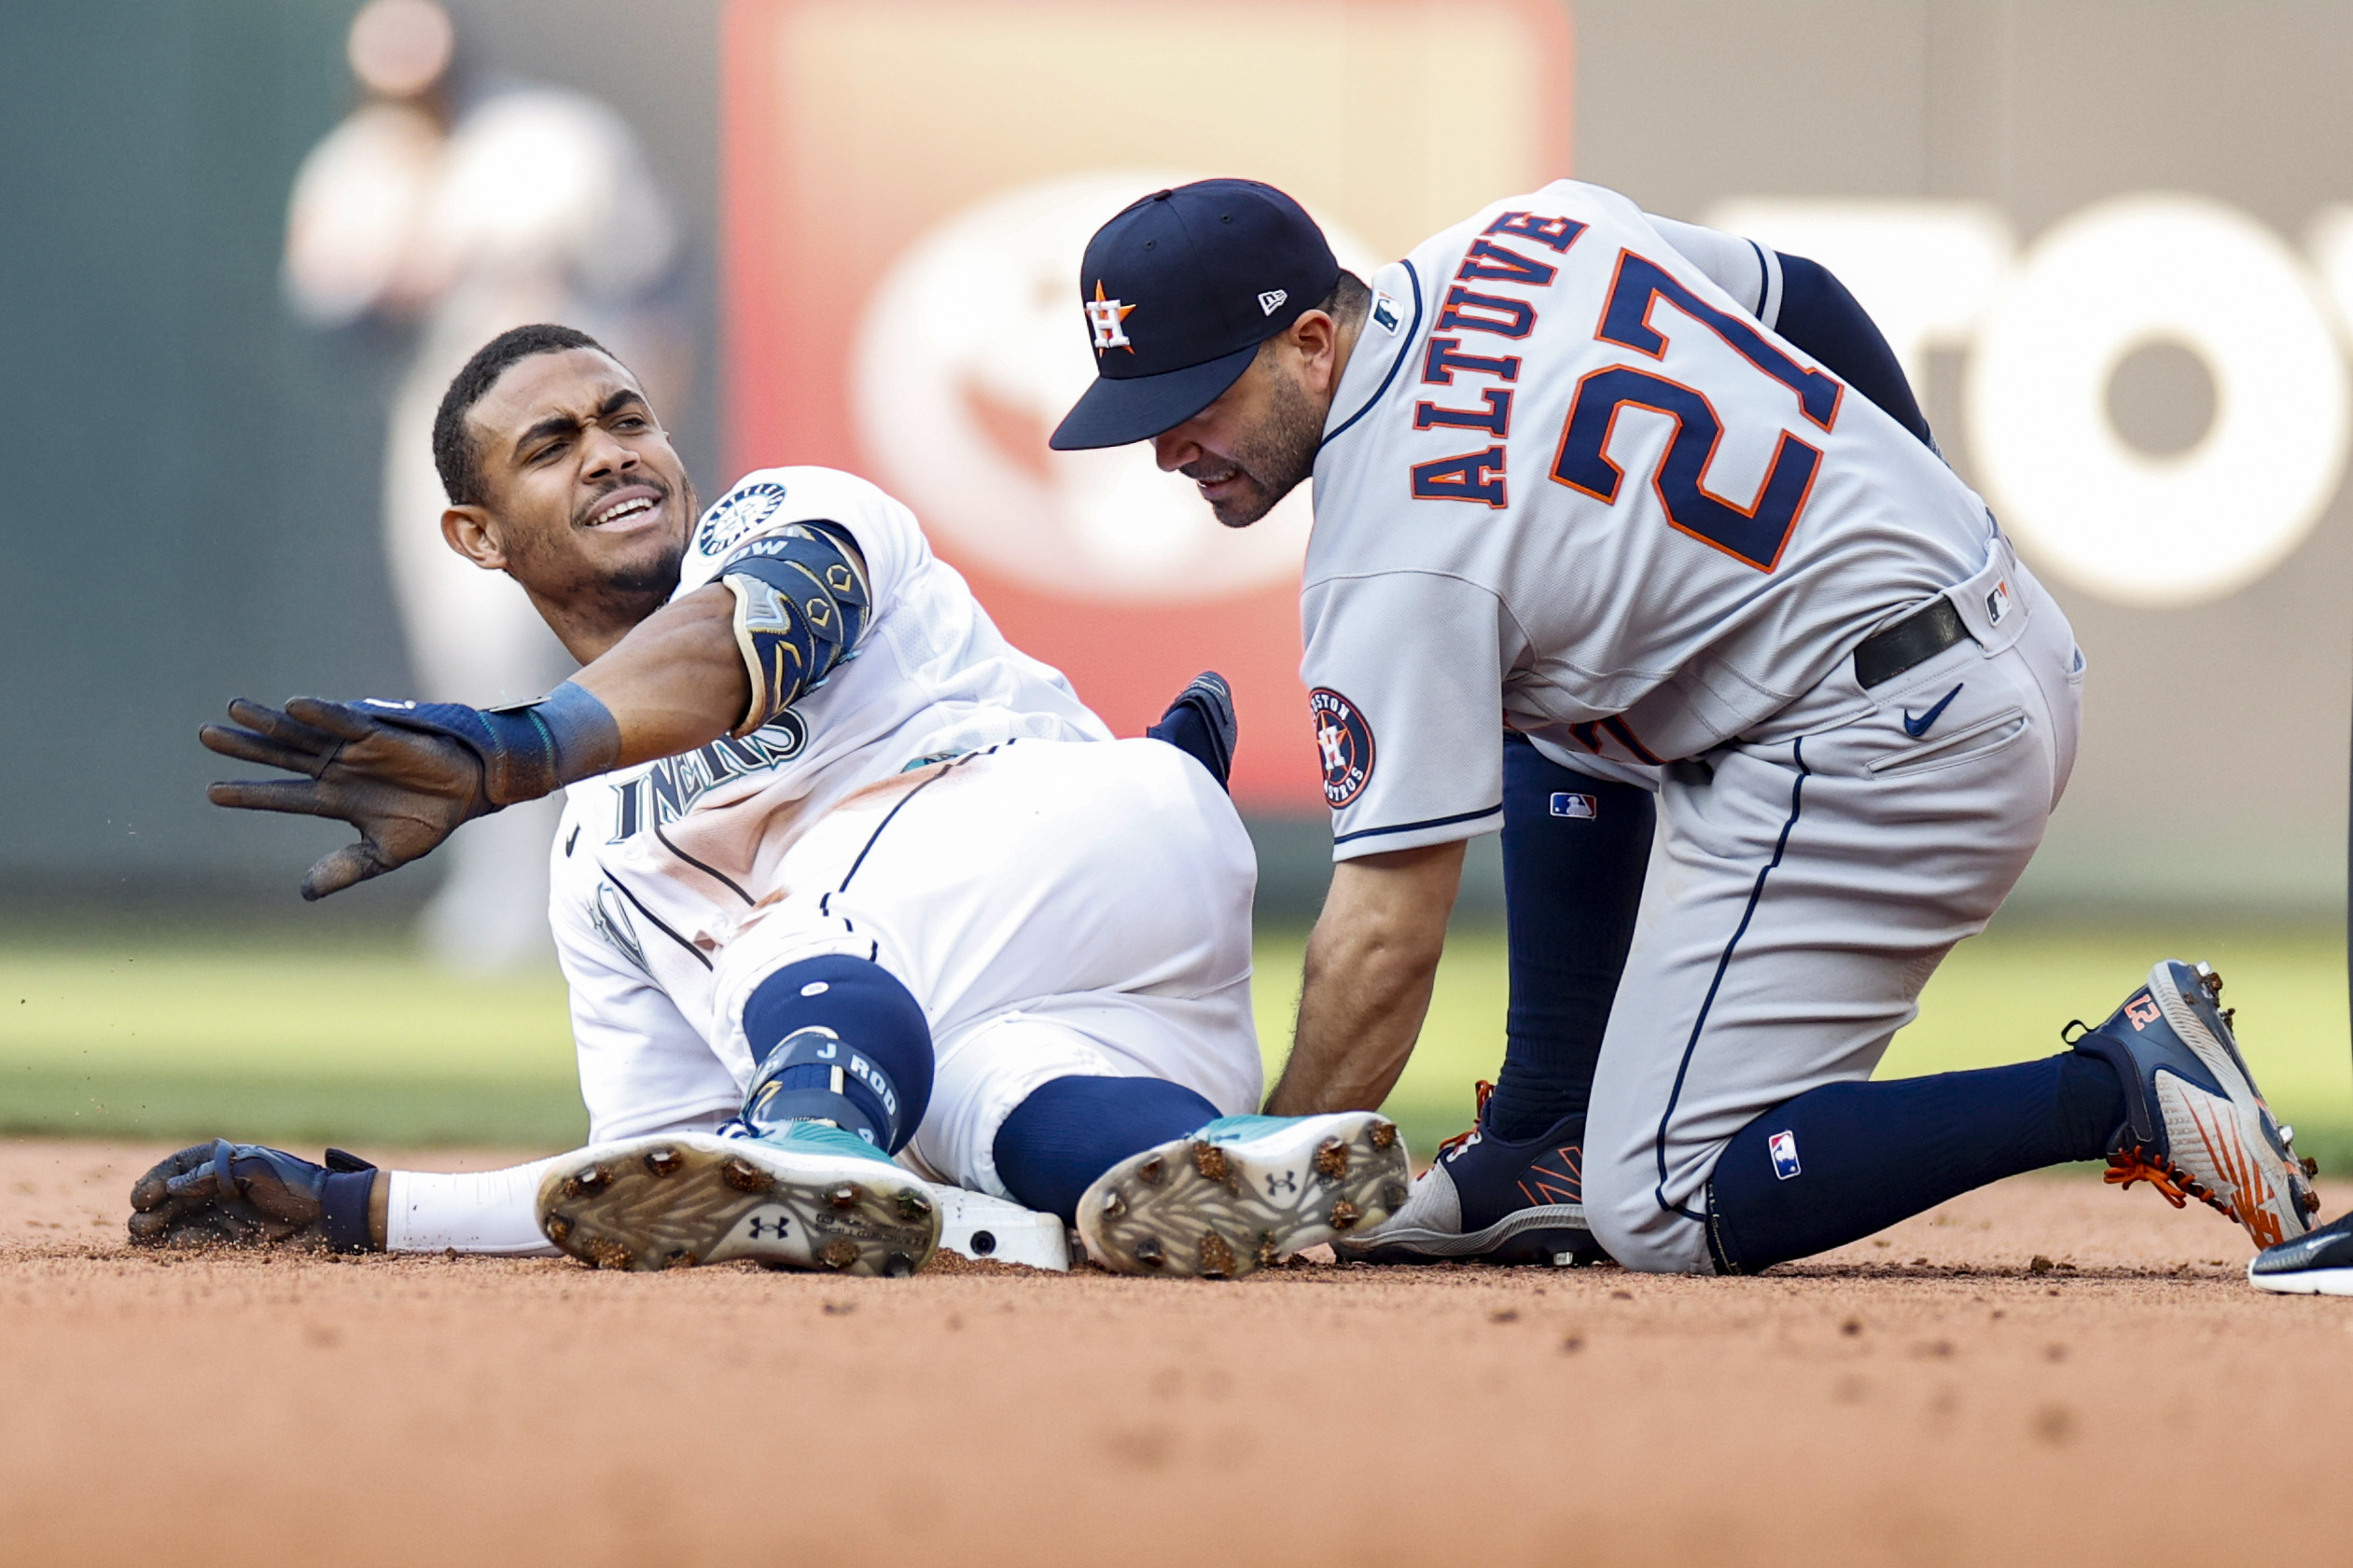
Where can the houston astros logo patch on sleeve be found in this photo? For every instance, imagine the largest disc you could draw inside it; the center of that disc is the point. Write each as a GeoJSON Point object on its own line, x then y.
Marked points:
{"type": "Point", "coordinates": [1344, 741]}
{"type": "Point", "coordinates": [1104, 320]}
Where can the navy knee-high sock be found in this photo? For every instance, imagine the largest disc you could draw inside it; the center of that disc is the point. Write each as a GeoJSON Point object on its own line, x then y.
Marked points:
{"type": "Point", "coordinates": [1839, 1163]}
{"type": "Point", "coordinates": [1072, 1130]}
{"type": "Point", "coordinates": [1574, 853]}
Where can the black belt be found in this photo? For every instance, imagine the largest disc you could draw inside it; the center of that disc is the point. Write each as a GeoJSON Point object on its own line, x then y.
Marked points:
{"type": "Point", "coordinates": [1915, 639]}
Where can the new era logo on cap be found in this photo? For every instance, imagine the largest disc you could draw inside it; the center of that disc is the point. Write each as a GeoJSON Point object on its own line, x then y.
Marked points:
{"type": "Point", "coordinates": [1272, 300]}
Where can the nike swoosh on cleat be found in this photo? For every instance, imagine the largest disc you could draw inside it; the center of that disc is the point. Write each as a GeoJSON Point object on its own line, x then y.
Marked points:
{"type": "Point", "coordinates": [1916, 728]}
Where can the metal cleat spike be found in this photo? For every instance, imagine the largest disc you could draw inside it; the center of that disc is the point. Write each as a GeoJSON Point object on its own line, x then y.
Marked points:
{"type": "Point", "coordinates": [1150, 1253]}
{"type": "Point", "coordinates": [843, 1195]}
{"type": "Point", "coordinates": [745, 1177]}
{"type": "Point", "coordinates": [1113, 1205]}
{"type": "Point", "coordinates": [1216, 1257]}
{"type": "Point", "coordinates": [912, 1204]}
{"type": "Point", "coordinates": [664, 1162]}
{"type": "Point", "coordinates": [1331, 1159]}
{"type": "Point", "coordinates": [558, 1229]}
{"type": "Point", "coordinates": [1344, 1213]}
{"type": "Point", "coordinates": [605, 1252]}
{"type": "Point", "coordinates": [1151, 1171]}
{"type": "Point", "coordinates": [1210, 1161]}
{"type": "Point", "coordinates": [839, 1252]}
{"type": "Point", "coordinates": [1383, 1133]}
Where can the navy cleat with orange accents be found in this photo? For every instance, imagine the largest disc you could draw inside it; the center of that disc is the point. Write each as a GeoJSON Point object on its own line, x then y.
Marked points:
{"type": "Point", "coordinates": [2195, 1124]}
{"type": "Point", "coordinates": [1486, 1201]}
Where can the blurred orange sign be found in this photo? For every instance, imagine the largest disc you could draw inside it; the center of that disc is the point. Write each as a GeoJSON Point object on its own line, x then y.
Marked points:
{"type": "Point", "coordinates": [909, 185]}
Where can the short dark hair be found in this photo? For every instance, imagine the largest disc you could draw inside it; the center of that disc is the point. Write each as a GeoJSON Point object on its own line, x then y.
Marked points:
{"type": "Point", "coordinates": [1349, 298]}
{"type": "Point", "coordinates": [453, 452]}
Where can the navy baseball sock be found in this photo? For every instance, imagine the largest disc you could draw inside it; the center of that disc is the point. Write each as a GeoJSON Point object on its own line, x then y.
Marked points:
{"type": "Point", "coordinates": [1574, 853]}
{"type": "Point", "coordinates": [838, 1039]}
{"type": "Point", "coordinates": [1839, 1163]}
{"type": "Point", "coordinates": [1072, 1130]}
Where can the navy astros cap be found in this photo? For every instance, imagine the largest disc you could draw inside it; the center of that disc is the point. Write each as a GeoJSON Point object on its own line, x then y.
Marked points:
{"type": "Point", "coordinates": [1180, 290]}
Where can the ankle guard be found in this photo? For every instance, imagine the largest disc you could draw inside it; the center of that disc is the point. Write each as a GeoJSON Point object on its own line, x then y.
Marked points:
{"type": "Point", "coordinates": [838, 1040]}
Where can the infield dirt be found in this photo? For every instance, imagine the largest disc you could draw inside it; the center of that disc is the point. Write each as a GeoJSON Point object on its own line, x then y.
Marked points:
{"type": "Point", "coordinates": [1935, 1395]}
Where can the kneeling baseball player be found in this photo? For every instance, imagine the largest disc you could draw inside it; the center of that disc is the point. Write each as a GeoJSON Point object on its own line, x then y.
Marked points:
{"type": "Point", "coordinates": [1601, 539]}
{"type": "Point", "coordinates": [842, 876]}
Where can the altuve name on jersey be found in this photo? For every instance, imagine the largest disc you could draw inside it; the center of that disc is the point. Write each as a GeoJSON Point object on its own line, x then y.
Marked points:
{"type": "Point", "coordinates": [1473, 306]}
{"type": "Point", "coordinates": [666, 791]}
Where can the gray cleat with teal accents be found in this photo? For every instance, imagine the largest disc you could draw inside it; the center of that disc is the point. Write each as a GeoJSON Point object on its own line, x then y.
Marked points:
{"type": "Point", "coordinates": [806, 1196]}
{"type": "Point", "coordinates": [1244, 1192]}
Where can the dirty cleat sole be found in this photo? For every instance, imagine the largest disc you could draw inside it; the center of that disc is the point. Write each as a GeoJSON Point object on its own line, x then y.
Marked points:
{"type": "Point", "coordinates": [1198, 1208]}
{"type": "Point", "coordinates": [673, 1201]}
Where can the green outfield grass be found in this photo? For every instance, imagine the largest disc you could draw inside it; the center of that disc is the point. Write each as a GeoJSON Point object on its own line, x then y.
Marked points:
{"type": "Point", "coordinates": [363, 1043]}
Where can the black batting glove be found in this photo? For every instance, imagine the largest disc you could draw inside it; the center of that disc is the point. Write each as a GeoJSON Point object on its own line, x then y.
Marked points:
{"type": "Point", "coordinates": [243, 1195]}
{"type": "Point", "coordinates": [405, 787]}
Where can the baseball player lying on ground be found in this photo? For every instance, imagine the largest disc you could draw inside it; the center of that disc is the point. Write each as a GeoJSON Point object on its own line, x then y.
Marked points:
{"type": "Point", "coordinates": [842, 875]}
{"type": "Point", "coordinates": [1601, 537]}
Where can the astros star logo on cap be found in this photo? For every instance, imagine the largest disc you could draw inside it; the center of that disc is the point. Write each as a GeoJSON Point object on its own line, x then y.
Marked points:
{"type": "Point", "coordinates": [1105, 316]}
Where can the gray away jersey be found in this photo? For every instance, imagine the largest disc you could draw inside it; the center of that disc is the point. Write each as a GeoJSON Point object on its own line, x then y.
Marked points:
{"type": "Point", "coordinates": [1572, 484]}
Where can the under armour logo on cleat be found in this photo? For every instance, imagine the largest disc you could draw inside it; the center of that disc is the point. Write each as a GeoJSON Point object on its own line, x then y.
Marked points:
{"type": "Point", "coordinates": [775, 1226]}
{"type": "Point", "coordinates": [1916, 728]}
{"type": "Point", "coordinates": [1281, 1181]}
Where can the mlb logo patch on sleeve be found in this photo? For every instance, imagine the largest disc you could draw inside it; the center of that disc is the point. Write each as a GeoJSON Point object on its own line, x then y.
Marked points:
{"type": "Point", "coordinates": [1784, 1154]}
{"type": "Point", "coordinates": [1567, 805]}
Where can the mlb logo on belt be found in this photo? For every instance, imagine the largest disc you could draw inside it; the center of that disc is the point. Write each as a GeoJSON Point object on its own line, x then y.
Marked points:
{"type": "Point", "coordinates": [1997, 603]}
{"type": "Point", "coordinates": [1567, 805]}
{"type": "Point", "coordinates": [1784, 1147]}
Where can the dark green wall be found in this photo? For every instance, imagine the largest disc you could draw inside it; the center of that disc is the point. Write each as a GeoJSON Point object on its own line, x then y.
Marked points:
{"type": "Point", "coordinates": [190, 502]}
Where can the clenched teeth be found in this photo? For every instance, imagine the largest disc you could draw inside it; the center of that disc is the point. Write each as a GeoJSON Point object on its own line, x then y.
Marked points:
{"type": "Point", "coordinates": [627, 509]}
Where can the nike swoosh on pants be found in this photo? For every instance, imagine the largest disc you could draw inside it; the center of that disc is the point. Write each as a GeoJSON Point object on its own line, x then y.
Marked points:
{"type": "Point", "coordinates": [1916, 728]}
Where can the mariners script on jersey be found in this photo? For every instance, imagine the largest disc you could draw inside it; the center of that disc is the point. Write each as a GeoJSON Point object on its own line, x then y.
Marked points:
{"type": "Point", "coordinates": [1571, 485]}
{"type": "Point", "coordinates": [653, 866]}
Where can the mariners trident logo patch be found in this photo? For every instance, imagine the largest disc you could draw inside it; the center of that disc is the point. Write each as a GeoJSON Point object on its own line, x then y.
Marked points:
{"type": "Point", "coordinates": [1344, 740]}
{"type": "Point", "coordinates": [1104, 319]}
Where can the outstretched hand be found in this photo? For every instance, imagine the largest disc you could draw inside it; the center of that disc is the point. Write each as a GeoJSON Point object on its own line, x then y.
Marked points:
{"type": "Point", "coordinates": [404, 789]}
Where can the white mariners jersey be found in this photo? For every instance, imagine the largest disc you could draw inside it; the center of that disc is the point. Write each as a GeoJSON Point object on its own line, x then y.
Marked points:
{"type": "Point", "coordinates": [1572, 485]}
{"type": "Point", "coordinates": [653, 865]}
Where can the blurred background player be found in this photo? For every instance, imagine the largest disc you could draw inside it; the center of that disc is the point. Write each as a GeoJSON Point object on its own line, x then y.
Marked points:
{"type": "Point", "coordinates": [465, 205]}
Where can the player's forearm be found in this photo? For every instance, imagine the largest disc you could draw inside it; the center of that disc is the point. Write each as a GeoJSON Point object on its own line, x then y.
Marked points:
{"type": "Point", "coordinates": [676, 681]}
{"type": "Point", "coordinates": [1371, 964]}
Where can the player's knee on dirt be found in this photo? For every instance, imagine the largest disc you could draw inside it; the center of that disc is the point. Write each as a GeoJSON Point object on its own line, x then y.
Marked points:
{"type": "Point", "coordinates": [1071, 1130]}
{"type": "Point", "coordinates": [838, 1039]}
{"type": "Point", "coordinates": [1623, 1213]}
